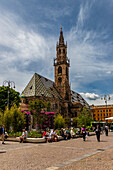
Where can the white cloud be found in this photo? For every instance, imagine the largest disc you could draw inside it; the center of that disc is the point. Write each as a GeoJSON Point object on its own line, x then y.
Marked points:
{"type": "Point", "coordinates": [90, 96]}
{"type": "Point", "coordinates": [108, 72]}
{"type": "Point", "coordinates": [21, 48]}
{"type": "Point", "coordinates": [88, 52]}
{"type": "Point", "coordinates": [83, 15]}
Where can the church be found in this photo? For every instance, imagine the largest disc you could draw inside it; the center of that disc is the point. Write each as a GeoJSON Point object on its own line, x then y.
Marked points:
{"type": "Point", "coordinates": [63, 100]}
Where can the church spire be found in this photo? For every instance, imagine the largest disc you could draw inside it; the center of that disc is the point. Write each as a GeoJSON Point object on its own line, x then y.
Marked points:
{"type": "Point", "coordinates": [62, 64]}
{"type": "Point", "coordinates": [61, 38]}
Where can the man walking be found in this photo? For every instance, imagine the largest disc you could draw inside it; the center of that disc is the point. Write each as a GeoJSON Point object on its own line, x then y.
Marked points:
{"type": "Point", "coordinates": [106, 129]}
{"type": "Point", "coordinates": [3, 133]}
{"type": "Point", "coordinates": [98, 132]}
{"type": "Point", "coordinates": [0, 130]}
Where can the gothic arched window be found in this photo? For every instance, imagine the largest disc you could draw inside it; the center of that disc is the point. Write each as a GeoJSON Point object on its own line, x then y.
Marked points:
{"type": "Point", "coordinates": [59, 51]}
{"type": "Point", "coordinates": [63, 51]}
{"type": "Point", "coordinates": [59, 69]}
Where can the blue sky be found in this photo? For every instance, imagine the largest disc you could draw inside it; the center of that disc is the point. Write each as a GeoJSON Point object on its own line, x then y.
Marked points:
{"type": "Point", "coordinates": [29, 31]}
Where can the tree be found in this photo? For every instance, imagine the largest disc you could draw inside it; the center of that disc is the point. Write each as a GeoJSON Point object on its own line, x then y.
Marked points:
{"type": "Point", "coordinates": [85, 117]}
{"type": "Point", "coordinates": [59, 122]}
{"type": "Point", "coordinates": [1, 118]}
{"type": "Point", "coordinates": [17, 119]}
{"type": "Point", "coordinates": [7, 119]}
{"type": "Point", "coordinates": [68, 122]}
{"type": "Point", "coordinates": [14, 97]}
{"type": "Point", "coordinates": [75, 121]}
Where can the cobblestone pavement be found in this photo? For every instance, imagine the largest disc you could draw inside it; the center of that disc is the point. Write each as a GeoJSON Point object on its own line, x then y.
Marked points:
{"type": "Point", "coordinates": [71, 154]}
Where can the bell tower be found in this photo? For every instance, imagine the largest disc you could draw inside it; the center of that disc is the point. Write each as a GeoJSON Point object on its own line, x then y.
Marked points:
{"type": "Point", "coordinates": [61, 65]}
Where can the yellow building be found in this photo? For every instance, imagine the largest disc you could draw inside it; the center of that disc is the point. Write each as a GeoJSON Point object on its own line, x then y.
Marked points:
{"type": "Point", "coordinates": [101, 112]}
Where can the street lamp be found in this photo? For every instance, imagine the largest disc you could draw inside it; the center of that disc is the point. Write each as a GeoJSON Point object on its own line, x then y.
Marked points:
{"type": "Point", "coordinates": [11, 84]}
{"type": "Point", "coordinates": [106, 98]}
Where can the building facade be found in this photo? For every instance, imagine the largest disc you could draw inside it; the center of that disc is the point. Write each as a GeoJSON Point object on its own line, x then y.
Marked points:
{"type": "Point", "coordinates": [63, 100]}
{"type": "Point", "coordinates": [101, 112]}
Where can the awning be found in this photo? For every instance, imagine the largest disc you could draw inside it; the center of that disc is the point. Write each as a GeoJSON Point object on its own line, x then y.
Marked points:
{"type": "Point", "coordinates": [109, 118]}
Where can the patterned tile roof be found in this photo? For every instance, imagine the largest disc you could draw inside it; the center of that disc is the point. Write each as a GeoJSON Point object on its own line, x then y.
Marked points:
{"type": "Point", "coordinates": [40, 86]}
{"type": "Point", "coordinates": [76, 97]}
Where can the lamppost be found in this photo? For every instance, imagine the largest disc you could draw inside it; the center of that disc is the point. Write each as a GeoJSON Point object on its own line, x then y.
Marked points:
{"type": "Point", "coordinates": [71, 122]}
{"type": "Point", "coordinates": [11, 84]}
{"type": "Point", "coordinates": [106, 98]}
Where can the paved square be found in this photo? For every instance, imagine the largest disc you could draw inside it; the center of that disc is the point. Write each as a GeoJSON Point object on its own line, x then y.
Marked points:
{"type": "Point", "coordinates": [71, 154]}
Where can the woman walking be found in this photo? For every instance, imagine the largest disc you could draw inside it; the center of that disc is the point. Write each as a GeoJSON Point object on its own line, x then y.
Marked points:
{"type": "Point", "coordinates": [84, 132]}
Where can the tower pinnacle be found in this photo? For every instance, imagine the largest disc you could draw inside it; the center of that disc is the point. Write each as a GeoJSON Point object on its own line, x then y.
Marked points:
{"type": "Point", "coordinates": [61, 38]}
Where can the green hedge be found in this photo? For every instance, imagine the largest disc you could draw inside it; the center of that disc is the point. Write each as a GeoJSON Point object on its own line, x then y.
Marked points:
{"type": "Point", "coordinates": [31, 134]}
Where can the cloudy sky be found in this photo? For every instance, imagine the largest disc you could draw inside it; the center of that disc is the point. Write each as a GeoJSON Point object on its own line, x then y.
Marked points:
{"type": "Point", "coordinates": [29, 30]}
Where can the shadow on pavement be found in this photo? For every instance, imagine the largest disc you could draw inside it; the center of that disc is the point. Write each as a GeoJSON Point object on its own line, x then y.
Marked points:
{"type": "Point", "coordinates": [103, 141]}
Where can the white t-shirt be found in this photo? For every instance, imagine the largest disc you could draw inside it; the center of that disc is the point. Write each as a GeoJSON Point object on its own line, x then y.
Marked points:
{"type": "Point", "coordinates": [24, 134]}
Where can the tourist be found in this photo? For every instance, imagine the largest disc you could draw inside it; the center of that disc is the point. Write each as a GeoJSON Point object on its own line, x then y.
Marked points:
{"type": "Point", "coordinates": [2, 133]}
{"type": "Point", "coordinates": [48, 136]}
{"type": "Point", "coordinates": [65, 134]}
{"type": "Point", "coordinates": [24, 136]}
{"type": "Point", "coordinates": [62, 133]}
{"type": "Point", "coordinates": [6, 135]}
{"type": "Point", "coordinates": [72, 133]}
{"type": "Point", "coordinates": [44, 134]}
{"type": "Point", "coordinates": [68, 134]}
{"type": "Point", "coordinates": [53, 135]}
{"type": "Point", "coordinates": [84, 132]}
{"type": "Point", "coordinates": [78, 131]}
{"type": "Point", "coordinates": [87, 132]}
{"type": "Point", "coordinates": [102, 130]}
{"type": "Point", "coordinates": [97, 130]}
{"type": "Point", "coordinates": [106, 130]}
{"type": "Point", "coordinates": [57, 133]}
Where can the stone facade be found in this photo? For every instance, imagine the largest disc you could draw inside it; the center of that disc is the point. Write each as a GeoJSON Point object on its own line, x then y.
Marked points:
{"type": "Point", "coordinates": [63, 100]}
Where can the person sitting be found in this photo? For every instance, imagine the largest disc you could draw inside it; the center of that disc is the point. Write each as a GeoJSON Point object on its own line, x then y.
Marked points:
{"type": "Point", "coordinates": [62, 133]}
{"type": "Point", "coordinates": [57, 133]}
{"type": "Point", "coordinates": [6, 135]}
{"type": "Point", "coordinates": [24, 136]}
{"type": "Point", "coordinates": [68, 134]}
{"type": "Point", "coordinates": [44, 134]}
{"type": "Point", "coordinates": [48, 136]}
{"type": "Point", "coordinates": [54, 136]}
{"type": "Point", "coordinates": [65, 134]}
{"type": "Point", "coordinates": [78, 131]}
{"type": "Point", "coordinates": [72, 133]}
{"type": "Point", "coordinates": [87, 132]}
